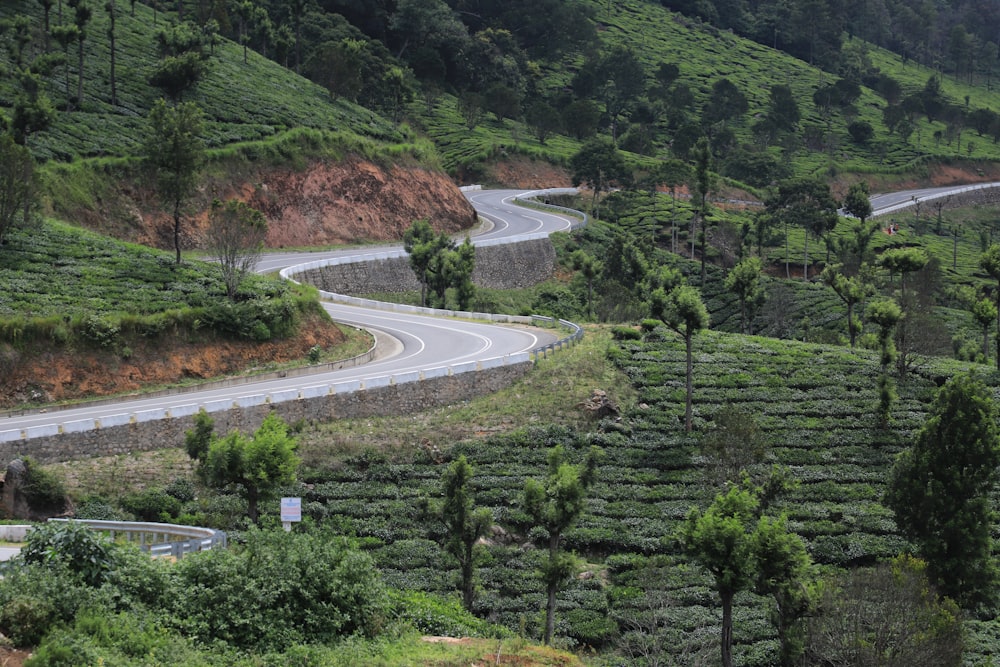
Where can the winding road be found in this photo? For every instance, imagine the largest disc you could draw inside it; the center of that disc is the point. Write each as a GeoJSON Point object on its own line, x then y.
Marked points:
{"type": "Point", "coordinates": [406, 342]}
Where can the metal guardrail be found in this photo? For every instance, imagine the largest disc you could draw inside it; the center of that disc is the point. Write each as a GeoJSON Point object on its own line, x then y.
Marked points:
{"type": "Point", "coordinates": [159, 539]}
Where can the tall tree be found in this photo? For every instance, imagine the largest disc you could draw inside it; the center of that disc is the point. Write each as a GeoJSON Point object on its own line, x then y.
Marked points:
{"type": "Point", "coordinates": [597, 164]}
{"type": "Point", "coordinates": [174, 154]}
{"type": "Point", "coordinates": [18, 185]}
{"type": "Point", "coordinates": [235, 236]}
{"type": "Point", "coordinates": [720, 539]}
{"type": "Point", "coordinates": [984, 312]}
{"type": "Point", "coordinates": [682, 310]}
{"type": "Point", "coordinates": [885, 314]}
{"type": "Point", "coordinates": [554, 504]}
{"type": "Point", "coordinates": [110, 8]}
{"type": "Point", "coordinates": [590, 268]}
{"type": "Point", "coordinates": [851, 291]}
{"type": "Point", "coordinates": [81, 17]}
{"type": "Point", "coordinates": [464, 524]}
{"type": "Point", "coordinates": [807, 202]}
{"type": "Point", "coordinates": [990, 263]}
{"type": "Point", "coordinates": [858, 203]}
{"type": "Point", "coordinates": [257, 465]}
{"type": "Point", "coordinates": [726, 103]}
{"type": "Point", "coordinates": [941, 487]}
{"type": "Point", "coordinates": [744, 281]}
{"type": "Point", "coordinates": [704, 184]}
{"type": "Point", "coordinates": [425, 248]}
{"type": "Point", "coordinates": [671, 174]}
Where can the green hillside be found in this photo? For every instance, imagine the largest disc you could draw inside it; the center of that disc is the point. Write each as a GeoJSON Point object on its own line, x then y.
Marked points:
{"type": "Point", "coordinates": [241, 101]}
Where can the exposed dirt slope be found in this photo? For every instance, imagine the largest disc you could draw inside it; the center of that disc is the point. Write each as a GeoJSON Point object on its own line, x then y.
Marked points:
{"type": "Point", "coordinates": [63, 375]}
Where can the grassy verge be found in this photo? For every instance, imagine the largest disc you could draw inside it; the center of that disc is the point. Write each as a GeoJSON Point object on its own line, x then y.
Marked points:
{"type": "Point", "coordinates": [551, 394]}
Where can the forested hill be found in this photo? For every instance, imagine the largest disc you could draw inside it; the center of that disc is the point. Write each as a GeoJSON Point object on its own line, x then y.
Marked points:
{"type": "Point", "coordinates": [244, 96]}
{"type": "Point", "coordinates": [777, 89]}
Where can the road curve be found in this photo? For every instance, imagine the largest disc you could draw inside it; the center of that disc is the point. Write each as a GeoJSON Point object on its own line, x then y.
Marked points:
{"type": "Point", "coordinates": [417, 342]}
{"type": "Point", "coordinates": [888, 203]}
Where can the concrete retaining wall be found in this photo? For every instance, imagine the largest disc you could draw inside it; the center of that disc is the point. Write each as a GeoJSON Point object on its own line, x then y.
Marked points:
{"type": "Point", "coordinates": [394, 396]}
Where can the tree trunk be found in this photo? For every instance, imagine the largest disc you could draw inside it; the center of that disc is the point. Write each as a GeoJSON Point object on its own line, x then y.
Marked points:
{"type": "Point", "coordinates": [111, 36]}
{"type": "Point", "coordinates": [252, 495]}
{"type": "Point", "coordinates": [805, 261]}
{"type": "Point", "coordinates": [468, 583]}
{"type": "Point", "coordinates": [79, 81]}
{"type": "Point", "coordinates": [727, 628]}
{"type": "Point", "coordinates": [550, 605]}
{"type": "Point", "coordinates": [177, 230]}
{"type": "Point", "coordinates": [688, 336]}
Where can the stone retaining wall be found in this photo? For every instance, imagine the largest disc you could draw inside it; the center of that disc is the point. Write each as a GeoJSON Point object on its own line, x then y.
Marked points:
{"type": "Point", "coordinates": [506, 266]}
{"type": "Point", "coordinates": [386, 400]}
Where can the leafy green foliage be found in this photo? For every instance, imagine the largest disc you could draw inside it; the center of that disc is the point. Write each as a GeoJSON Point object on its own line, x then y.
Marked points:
{"type": "Point", "coordinates": [940, 490]}
{"type": "Point", "coordinates": [305, 588]}
{"type": "Point", "coordinates": [258, 465]}
{"type": "Point", "coordinates": [73, 545]}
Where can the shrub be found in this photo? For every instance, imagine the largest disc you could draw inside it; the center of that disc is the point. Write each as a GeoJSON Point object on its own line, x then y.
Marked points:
{"type": "Point", "coordinates": [305, 588]}
{"type": "Point", "coordinates": [81, 550]}
{"type": "Point", "coordinates": [152, 505]}
{"type": "Point", "coordinates": [44, 490]}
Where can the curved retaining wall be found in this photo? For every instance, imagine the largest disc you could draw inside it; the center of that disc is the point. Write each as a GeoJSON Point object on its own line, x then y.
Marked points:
{"type": "Point", "coordinates": [500, 266]}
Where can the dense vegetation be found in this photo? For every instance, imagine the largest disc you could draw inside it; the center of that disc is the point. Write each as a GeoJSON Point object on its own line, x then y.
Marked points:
{"type": "Point", "coordinates": [779, 442]}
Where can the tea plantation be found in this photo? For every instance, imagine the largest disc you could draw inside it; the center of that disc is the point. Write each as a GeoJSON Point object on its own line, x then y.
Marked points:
{"type": "Point", "coordinates": [815, 407]}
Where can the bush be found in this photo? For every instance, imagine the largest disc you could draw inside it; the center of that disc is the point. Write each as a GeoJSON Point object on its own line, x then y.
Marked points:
{"type": "Point", "coordinates": [81, 550]}
{"type": "Point", "coordinates": [305, 588]}
{"type": "Point", "coordinates": [152, 505]}
{"type": "Point", "coordinates": [45, 491]}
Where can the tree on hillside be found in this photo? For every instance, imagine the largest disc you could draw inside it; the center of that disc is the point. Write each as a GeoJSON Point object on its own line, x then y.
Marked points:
{"type": "Point", "coordinates": [851, 291]}
{"type": "Point", "coordinates": [81, 17]}
{"type": "Point", "coordinates": [173, 154]}
{"type": "Point", "coordinates": [554, 504]}
{"type": "Point", "coordinates": [235, 236]}
{"type": "Point", "coordinates": [984, 312]}
{"type": "Point", "coordinates": [734, 444]}
{"type": "Point", "coordinates": [198, 439]}
{"type": "Point", "coordinates": [720, 540]}
{"type": "Point", "coordinates": [671, 174]}
{"type": "Point", "coordinates": [110, 8]}
{"type": "Point", "coordinates": [990, 263]}
{"type": "Point", "coordinates": [742, 550]}
{"type": "Point", "coordinates": [424, 248]}
{"type": "Point", "coordinates": [464, 524]}
{"type": "Point", "coordinates": [598, 165]}
{"type": "Point", "coordinates": [682, 310]}
{"type": "Point", "coordinates": [858, 203]}
{"type": "Point", "coordinates": [18, 185]}
{"type": "Point", "coordinates": [256, 466]}
{"type": "Point", "coordinates": [806, 202]}
{"type": "Point", "coordinates": [904, 261]}
{"type": "Point", "coordinates": [703, 184]}
{"type": "Point", "coordinates": [744, 281]}
{"type": "Point", "coordinates": [590, 268]}
{"type": "Point", "coordinates": [885, 616]}
{"type": "Point", "coordinates": [726, 103]}
{"type": "Point", "coordinates": [885, 314]}
{"type": "Point", "coordinates": [940, 491]}
{"type": "Point", "coordinates": [543, 119]}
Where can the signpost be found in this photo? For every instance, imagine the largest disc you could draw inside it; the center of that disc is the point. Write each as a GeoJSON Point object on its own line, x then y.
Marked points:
{"type": "Point", "coordinates": [291, 510]}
